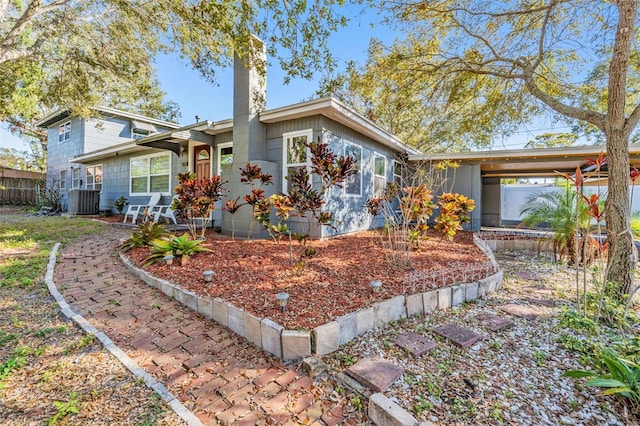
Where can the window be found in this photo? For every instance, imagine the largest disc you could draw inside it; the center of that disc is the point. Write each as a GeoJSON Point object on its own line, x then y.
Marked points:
{"type": "Point", "coordinates": [75, 178]}
{"type": "Point", "coordinates": [397, 173]}
{"type": "Point", "coordinates": [379, 174]}
{"type": "Point", "coordinates": [151, 173]}
{"type": "Point", "coordinates": [353, 184]}
{"type": "Point", "coordinates": [140, 129]}
{"type": "Point", "coordinates": [296, 154]}
{"type": "Point", "coordinates": [94, 177]}
{"type": "Point", "coordinates": [225, 156]}
{"type": "Point", "coordinates": [139, 134]}
{"type": "Point", "coordinates": [63, 179]}
{"type": "Point", "coordinates": [64, 132]}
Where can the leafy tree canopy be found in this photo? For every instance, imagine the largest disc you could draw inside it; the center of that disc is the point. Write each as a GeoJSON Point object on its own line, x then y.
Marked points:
{"type": "Point", "coordinates": [74, 54]}
{"type": "Point", "coordinates": [552, 140]}
{"type": "Point", "coordinates": [424, 104]}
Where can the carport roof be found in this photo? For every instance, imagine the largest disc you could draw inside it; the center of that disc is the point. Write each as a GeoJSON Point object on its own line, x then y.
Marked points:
{"type": "Point", "coordinates": [529, 162]}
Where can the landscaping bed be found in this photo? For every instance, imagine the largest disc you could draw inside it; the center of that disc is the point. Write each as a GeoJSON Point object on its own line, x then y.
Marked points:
{"type": "Point", "coordinates": [249, 273]}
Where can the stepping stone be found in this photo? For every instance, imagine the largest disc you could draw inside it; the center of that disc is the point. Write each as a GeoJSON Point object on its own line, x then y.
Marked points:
{"type": "Point", "coordinates": [415, 343]}
{"type": "Point", "coordinates": [375, 373]}
{"type": "Point", "coordinates": [531, 276]}
{"type": "Point", "coordinates": [459, 335]}
{"type": "Point", "coordinates": [539, 290]}
{"type": "Point", "coordinates": [494, 322]}
{"type": "Point", "coordinates": [521, 311]}
{"type": "Point", "coordinates": [541, 302]}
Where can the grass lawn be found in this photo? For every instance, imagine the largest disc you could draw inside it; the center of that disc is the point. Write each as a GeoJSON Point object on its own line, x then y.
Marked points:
{"type": "Point", "coordinates": [51, 372]}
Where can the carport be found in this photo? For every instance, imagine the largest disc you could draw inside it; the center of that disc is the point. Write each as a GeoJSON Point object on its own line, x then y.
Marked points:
{"type": "Point", "coordinates": [480, 172]}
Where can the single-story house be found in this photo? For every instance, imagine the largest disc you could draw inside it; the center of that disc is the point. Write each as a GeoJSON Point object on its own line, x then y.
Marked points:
{"type": "Point", "coordinates": [123, 154]}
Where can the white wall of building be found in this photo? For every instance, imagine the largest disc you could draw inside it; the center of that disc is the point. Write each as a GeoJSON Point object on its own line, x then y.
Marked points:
{"type": "Point", "coordinates": [514, 197]}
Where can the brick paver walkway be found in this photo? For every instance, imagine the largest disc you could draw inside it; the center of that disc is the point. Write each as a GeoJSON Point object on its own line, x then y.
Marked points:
{"type": "Point", "coordinates": [221, 377]}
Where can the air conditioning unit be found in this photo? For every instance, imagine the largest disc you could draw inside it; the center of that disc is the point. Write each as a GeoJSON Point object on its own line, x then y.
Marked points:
{"type": "Point", "coordinates": [84, 201]}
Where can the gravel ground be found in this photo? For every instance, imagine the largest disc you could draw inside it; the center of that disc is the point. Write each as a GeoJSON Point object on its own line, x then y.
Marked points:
{"type": "Point", "coordinates": [512, 376]}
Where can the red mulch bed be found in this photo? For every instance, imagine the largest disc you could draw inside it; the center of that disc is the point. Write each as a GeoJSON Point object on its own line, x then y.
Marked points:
{"type": "Point", "coordinates": [249, 273]}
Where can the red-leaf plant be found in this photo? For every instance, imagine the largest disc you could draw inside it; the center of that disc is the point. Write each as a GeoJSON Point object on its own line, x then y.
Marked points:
{"type": "Point", "coordinates": [306, 201]}
{"type": "Point", "coordinates": [196, 200]}
{"type": "Point", "coordinates": [250, 175]}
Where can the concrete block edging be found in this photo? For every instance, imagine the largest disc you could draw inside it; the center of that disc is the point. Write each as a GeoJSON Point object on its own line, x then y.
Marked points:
{"type": "Point", "coordinates": [293, 345]}
{"type": "Point", "coordinates": [183, 412]}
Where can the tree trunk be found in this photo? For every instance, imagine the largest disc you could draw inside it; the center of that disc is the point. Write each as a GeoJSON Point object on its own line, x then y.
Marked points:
{"type": "Point", "coordinates": [621, 259]}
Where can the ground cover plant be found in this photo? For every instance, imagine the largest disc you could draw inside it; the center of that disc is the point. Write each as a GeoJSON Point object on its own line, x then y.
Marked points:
{"type": "Point", "coordinates": [51, 372]}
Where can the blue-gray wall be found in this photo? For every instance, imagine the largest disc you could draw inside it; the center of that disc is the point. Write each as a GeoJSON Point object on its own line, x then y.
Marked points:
{"type": "Point", "coordinates": [88, 135]}
{"type": "Point", "coordinates": [466, 180]}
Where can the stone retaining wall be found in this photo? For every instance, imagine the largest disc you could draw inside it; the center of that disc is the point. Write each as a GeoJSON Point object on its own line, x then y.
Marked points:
{"type": "Point", "coordinates": [326, 338]}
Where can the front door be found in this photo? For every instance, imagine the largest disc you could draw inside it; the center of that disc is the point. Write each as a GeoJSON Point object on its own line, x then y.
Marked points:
{"type": "Point", "coordinates": [202, 154]}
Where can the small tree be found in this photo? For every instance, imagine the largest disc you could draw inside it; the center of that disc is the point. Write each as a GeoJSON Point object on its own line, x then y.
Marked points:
{"type": "Point", "coordinates": [249, 175]}
{"type": "Point", "coordinates": [196, 200]}
{"type": "Point", "coordinates": [120, 204]}
{"type": "Point", "coordinates": [304, 201]}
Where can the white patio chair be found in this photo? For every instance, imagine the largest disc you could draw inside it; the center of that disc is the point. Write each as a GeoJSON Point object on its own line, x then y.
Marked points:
{"type": "Point", "coordinates": [136, 209]}
{"type": "Point", "coordinates": [167, 213]}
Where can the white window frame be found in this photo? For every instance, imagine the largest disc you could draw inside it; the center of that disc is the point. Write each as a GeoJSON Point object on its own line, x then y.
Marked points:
{"type": "Point", "coordinates": [220, 148]}
{"type": "Point", "coordinates": [96, 185]}
{"type": "Point", "coordinates": [64, 132]}
{"type": "Point", "coordinates": [285, 150]}
{"type": "Point", "coordinates": [380, 192]}
{"type": "Point", "coordinates": [149, 175]}
{"type": "Point", "coordinates": [63, 179]}
{"type": "Point", "coordinates": [397, 177]}
{"type": "Point", "coordinates": [358, 165]}
{"type": "Point", "coordinates": [76, 182]}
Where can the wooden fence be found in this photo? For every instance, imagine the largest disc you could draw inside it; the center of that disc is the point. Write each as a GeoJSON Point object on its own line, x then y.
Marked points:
{"type": "Point", "coordinates": [19, 187]}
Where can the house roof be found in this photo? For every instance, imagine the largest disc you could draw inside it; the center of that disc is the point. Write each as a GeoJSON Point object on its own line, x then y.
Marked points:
{"type": "Point", "coordinates": [528, 162]}
{"type": "Point", "coordinates": [175, 138]}
{"type": "Point", "coordinates": [114, 150]}
{"type": "Point", "coordinates": [337, 111]}
{"type": "Point", "coordinates": [329, 107]}
{"type": "Point", "coordinates": [63, 114]}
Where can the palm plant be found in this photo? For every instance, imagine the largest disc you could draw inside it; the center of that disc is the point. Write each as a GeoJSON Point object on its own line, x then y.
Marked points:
{"type": "Point", "coordinates": [566, 217]}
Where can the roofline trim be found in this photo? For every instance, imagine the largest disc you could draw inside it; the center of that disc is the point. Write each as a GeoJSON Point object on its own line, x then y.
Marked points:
{"type": "Point", "coordinates": [577, 151]}
{"type": "Point", "coordinates": [65, 113]}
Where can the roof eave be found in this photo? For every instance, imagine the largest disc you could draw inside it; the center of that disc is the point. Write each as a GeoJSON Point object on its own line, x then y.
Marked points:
{"type": "Point", "coordinates": [335, 110]}
{"type": "Point", "coordinates": [116, 150]}
{"type": "Point", "coordinates": [63, 114]}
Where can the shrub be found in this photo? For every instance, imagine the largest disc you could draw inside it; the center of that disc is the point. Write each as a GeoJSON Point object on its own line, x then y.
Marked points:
{"type": "Point", "coordinates": [623, 377]}
{"type": "Point", "coordinates": [146, 233]}
{"type": "Point", "coordinates": [120, 204]}
{"type": "Point", "coordinates": [196, 200]}
{"type": "Point", "coordinates": [180, 247]}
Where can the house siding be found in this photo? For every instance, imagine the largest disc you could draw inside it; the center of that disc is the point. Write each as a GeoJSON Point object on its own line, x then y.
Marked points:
{"type": "Point", "coordinates": [116, 180]}
{"type": "Point", "coordinates": [58, 154]}
{"type": "Point", "coordinates": [106, 132]}
{"type": "Point", "coordinates": [350, 211]}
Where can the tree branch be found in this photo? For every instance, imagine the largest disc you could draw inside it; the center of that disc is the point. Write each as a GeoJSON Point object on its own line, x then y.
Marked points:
{"type": "Point", "coordinates": [8, 49]}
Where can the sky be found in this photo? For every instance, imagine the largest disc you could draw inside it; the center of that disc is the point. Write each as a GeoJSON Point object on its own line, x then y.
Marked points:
{"type": "Point", "coordinates": [195, 96]}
